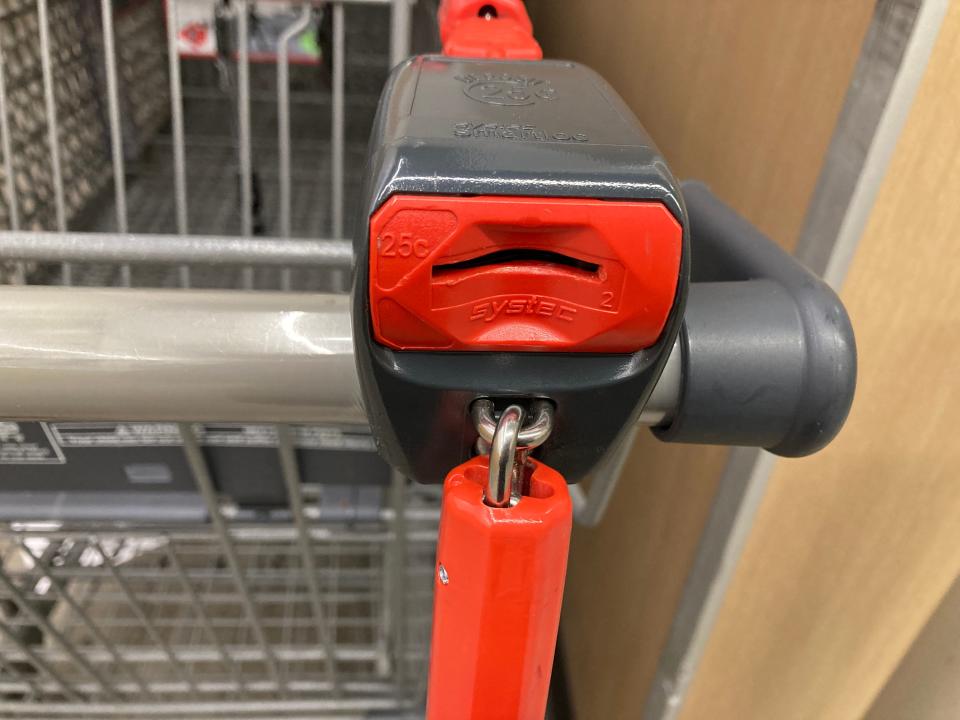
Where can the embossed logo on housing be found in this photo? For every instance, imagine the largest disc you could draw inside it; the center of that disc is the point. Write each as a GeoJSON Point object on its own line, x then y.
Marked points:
{"type": "Point", "coordinates": [506, 89]}
{"type": "Point", "coordinates": [513, 131]}
{"type": "Point", "coordinates": [489, 310]}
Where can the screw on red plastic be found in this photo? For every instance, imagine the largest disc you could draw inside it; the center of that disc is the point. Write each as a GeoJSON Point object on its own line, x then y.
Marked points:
{"type": "Point", "coordinates": [477, 29]}
{"type": "Point", "coordinates": [497, 597]}
{"type": "Point", "coordinates": [521, 274]}
{"type": "Point", "coordinates": [452, 12]}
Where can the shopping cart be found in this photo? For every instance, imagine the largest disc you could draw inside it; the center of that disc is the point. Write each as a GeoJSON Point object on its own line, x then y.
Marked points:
{"type": "Point", "coordinates": [233, 547]}
{"type": "Point", "coordinates": [172, 568]}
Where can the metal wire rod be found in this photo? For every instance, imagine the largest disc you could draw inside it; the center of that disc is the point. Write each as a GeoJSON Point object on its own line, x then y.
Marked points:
{"type": "Point", "coordinates": [10, 186]}
{"type": "Point", "coordinates": [399, 31]}
{"type": "Point", "coordinates": [243, 131]}
{"type": "Point", "coordinates": [38, 662]}
{"type": "Point", "coordinates": [207, 654]}
{"type": "Point", "coordinates": [53, 130]}
{"type": "Point", "coordinates": [201, 475]}
{"type": "Point", "coordinates": [67, 596]}
{"type": "Point", "coordinates": [246, 534]}
{"type": "Point", "coordinates": [283, 124]}
{"type": "Point", "coordinates": [337, 119]}
{"type": "Point", "coordinates": [263, 597]}
{"type": "Point", "coordinates": [20, 684]}
{"type": "Point", "coordinates": [116, 142]}
{"type": "Point", "coordinates": [201, 613]}
{"type": "Point", "coordinates": [219, 709]}
{"type": "Point", "coordinates": [137, 607]}
{"type": "Point", "coordinates": [176, 121]}
{"type": "Point", "coordinates": [392, 706]}
{"type": "Point", "coordinates": [13, 207]}
{"type": "Point", "coordinates": [397, 575]}
{"type": "Point", "coordinates": [144, 248]}
{"type": "Point", "coordinates": [291, 478]}
{"type": "Point", "coordinates": [49, 630]}
{"type": "Point", "coordinates": [181, 600]}
{"type": "Point", "coordinates": [31, 685]}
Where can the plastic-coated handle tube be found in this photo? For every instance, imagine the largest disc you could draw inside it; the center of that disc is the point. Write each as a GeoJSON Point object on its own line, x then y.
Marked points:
{"type": "Point", "coordinates": [769, 357]}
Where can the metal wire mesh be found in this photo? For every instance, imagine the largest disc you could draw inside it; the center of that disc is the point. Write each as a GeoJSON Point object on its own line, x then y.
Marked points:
{"type": "Point", "coordinates": [315, 608]}
{"type": "Point", "coordinates": [83, 160]}
{"type": "Point", "coordinates": [332, 618]}
{"type": "Point", "coordinates": [194, 146]}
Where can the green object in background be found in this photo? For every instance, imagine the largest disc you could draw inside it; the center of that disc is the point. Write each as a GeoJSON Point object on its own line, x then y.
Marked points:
{"type": "Point", "coordinates": [308, 44]}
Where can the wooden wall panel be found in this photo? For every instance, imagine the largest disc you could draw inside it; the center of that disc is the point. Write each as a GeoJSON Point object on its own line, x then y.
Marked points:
{"type": "Point", "coordinates": [743, 94]}
{"type": "Point", "coordinates": [853, 549]}
{"type": "Point", "coordinates": [925, 685]}
{"type": "Point", "coordinates": [626, 575]}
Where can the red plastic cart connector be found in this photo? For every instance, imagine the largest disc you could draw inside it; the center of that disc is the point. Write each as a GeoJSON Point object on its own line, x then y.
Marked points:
{"type": "Point", "coordinates": [497, 596]}
{"type": "Point", "coordinates": [515, 273]}
{"type": "Point", "coordinates": [478, 29]}
{"type": "Point", "coordinates": [452, 12]}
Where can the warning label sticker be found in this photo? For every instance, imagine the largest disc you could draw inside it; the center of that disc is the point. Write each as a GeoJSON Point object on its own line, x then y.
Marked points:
{"type": "Point", "coordinates": [115, 434]}
{"type": "Point", "coordinates": [327, 438]}
{"type": "Point", "coordinates": [304, 437]}
{"type": "Point", "coordinates": [28, 443]}
{"type": "Point", "coordinates": [75, 435]}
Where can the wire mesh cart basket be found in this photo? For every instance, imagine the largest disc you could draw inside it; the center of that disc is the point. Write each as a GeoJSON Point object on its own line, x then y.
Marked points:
{"type": "Point", "coordinates": [268, 565]}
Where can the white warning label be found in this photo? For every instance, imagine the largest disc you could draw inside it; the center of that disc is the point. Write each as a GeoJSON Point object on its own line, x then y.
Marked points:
{"type": "Point", "coordinates": [307, 437]}
{"type": "Point", "coordinates": [331, 438]}
{"type": "Point", "coordinates": [115, 434]}
{"type": "Point", "coordinates": [28, 443]}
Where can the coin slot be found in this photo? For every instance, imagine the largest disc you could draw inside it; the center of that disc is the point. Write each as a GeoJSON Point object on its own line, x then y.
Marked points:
{"type": "Point", "coordinates": [520, 256]}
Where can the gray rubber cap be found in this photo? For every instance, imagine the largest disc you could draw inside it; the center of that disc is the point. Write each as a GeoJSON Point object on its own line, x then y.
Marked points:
{"type": "Point", "coordinates": [769, 357]}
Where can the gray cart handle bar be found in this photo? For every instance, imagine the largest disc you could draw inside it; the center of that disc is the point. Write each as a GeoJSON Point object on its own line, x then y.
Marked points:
{"type": "Point", "coordinates": [766, 356]}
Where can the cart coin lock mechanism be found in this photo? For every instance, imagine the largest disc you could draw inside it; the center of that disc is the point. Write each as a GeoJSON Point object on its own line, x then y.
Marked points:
{"type": "Point", "coordinates": [527, 266]}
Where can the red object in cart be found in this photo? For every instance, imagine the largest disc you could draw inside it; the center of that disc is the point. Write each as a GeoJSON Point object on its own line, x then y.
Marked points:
{"type": "Point", "coordinates": [497, 596]}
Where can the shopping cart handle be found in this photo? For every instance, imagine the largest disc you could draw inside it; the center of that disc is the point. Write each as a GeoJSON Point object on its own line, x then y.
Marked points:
{"type": "Point", "coordinates": [768, 353]}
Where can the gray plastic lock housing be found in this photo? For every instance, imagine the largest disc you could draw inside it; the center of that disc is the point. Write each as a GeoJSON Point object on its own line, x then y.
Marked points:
{"type": "Point", "coordinates": [541, 129]}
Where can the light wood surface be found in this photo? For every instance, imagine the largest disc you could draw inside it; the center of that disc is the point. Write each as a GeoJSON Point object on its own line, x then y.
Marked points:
{"type": "Point", "coordinates": [853, 549]}
{"type": "Point", "coordinates": [926, 684]}
{"type": "Point", "coordinates": [626, 575]}
{"type": "Point", "coordinates": [743, 94]}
